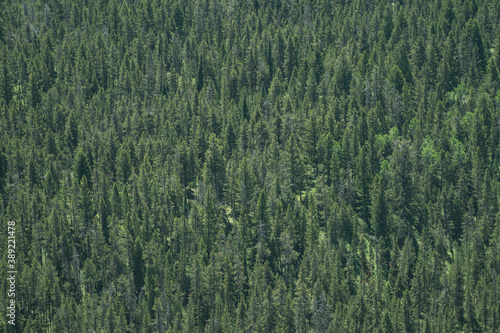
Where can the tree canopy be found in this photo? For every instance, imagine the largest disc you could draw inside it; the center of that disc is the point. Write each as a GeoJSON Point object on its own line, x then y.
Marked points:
{"type": "Point", "coordinates": [243, 166]}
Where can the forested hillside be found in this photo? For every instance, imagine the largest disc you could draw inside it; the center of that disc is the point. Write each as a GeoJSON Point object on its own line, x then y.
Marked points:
{"type": "Point", "coordinates": [251, 166]}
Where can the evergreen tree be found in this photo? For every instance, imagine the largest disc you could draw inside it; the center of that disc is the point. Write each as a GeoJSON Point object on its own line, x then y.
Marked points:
{"type": "Point", "coordinates": [137, 263]}
{"type": "Point", "coordinates": [213, 169]}
{"type": "Point", "coordinates": [81, 166]}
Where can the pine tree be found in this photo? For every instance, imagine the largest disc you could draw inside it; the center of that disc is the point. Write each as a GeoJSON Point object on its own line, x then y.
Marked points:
{"type": "Point", "coordinates": [295, 170]}
{"type": "Point", "coordinates": [81, 166]}
{"type": "Point", "coordinates": [473, 51]}
{"type": "Point", "coordinates": [261, 227]}
{"type": "Point", "coordinates": [123, 165]}
{"type": "Point", "coordinates": [213, 170]}
{"type": "Point", "coordinates": [379, 209]}
{"type": "Point", "coordinates": [199, 80]}
{"type": "Point", "coordinates": [312, 137]}
{"type": "Point", "coordinates": [301, 307]}
{"type": "Point", "coordinates": [137, 263]}
{"type": "Point", "coordinates": [6, 89]}
{"type": "Point", "coordinates": [362, 184]}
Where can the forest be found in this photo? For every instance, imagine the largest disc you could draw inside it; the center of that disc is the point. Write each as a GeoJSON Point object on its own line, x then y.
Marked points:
{"type": "Point", "coordinates": [251, 165]}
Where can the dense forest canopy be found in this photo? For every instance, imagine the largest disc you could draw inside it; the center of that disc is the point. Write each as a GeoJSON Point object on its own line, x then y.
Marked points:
{"type": "Point", "coordinates": [251, 166]}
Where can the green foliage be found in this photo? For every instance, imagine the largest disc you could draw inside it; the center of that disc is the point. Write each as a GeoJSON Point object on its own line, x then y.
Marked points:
{"type": "Point", "coordinates": [81, 167]}
{"type": "Point", "coordinates": [221, 166]}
